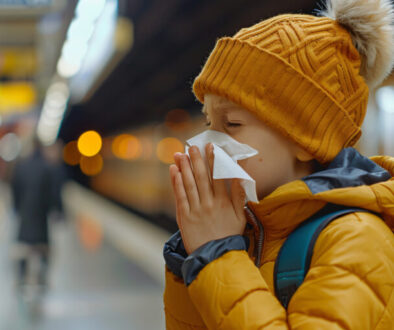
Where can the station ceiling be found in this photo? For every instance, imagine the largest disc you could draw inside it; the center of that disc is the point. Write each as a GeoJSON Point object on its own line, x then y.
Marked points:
{"type": "Point", "coordinates": [172, 39]}
{"type": "Point", "coordinates": [31, 36]}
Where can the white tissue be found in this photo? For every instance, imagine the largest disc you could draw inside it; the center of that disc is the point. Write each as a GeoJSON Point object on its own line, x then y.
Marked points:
{"type": "Point", "coordinates": [227, 152]}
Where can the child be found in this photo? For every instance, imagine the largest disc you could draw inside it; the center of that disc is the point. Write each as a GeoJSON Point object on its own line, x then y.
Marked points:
{"type": "Point", "coordinates": [295, 88]}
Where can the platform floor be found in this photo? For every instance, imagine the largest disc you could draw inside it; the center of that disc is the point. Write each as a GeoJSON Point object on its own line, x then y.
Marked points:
{"type": "Point", "coordinates": [101, 289]}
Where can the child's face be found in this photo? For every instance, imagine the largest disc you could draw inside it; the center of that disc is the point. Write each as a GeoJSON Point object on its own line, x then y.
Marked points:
{"type": "Point", "coordinates": [275, 164]}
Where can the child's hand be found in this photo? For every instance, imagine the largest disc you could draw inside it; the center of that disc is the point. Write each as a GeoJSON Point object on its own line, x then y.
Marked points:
{"type": "Point", "coordinates": [204, 210]}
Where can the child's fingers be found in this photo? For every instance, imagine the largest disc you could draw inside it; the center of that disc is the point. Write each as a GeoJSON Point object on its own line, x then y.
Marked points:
{"type": "Point", "coordinates": [173, 169]}
{"type": "Point", "coordinates": [177, 159]}
{"type": "Point", "coordinates": [210, 157]}
{"type": "Point", "coordinates": [238, 198]}
{"type": "Point", "coordinates": [200, 174]}
{"type": "Point", "coordinates": [182, 204]}
{"type": "Point", "coordinates": [189, 183]}
{"type": "Point", "coordinates": [219, 186]}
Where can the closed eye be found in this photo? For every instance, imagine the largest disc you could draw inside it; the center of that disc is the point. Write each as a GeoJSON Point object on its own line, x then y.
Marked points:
{"type": "Point", "coordinates": [233, 124]}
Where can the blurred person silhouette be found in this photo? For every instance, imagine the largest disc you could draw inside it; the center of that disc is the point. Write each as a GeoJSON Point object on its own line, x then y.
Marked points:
{"type": "Point", "coordinates": [58, 174]}
{"type": "Point", "coordinates": [32, 185]}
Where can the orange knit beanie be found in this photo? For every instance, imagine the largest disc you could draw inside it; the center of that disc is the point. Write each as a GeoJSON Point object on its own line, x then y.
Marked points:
{"type": "Point", "coordinates": [306, 76]}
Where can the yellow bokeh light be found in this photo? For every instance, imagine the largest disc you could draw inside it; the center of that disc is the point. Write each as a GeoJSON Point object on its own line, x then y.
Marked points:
{"type": "Point", "coordinates": [17, 96]}
{"type": "Point", "coordinates": [166, 149]}
{"type": "Point", "coordinates": [71, 155]}
{"type": "Point", "coordinates": [89, 143]}
{"type": "Point", "coordinates": [91, 165]}
{"type": "Point", "coordinates": [127, 146]}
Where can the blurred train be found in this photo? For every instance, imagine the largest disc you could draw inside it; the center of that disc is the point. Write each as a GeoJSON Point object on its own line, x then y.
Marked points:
{"type": "Point", "coordinates": [131, 168]}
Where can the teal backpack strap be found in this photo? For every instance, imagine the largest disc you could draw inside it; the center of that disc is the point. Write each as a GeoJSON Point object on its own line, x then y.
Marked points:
{"type": "Point", "coordinates": [295, 255]}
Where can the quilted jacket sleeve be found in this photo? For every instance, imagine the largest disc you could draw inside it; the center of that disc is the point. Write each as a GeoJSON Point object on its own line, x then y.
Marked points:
{"type": "Point", "coordinates": [180, 312]}
{"type": "Point", "coordinates": [349, 284]}
{"type": "Point", "coordinates": [181, 269]}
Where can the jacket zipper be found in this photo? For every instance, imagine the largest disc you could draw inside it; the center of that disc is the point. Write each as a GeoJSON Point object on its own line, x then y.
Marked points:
{"type": "Point", "coordinates": [259, 234]}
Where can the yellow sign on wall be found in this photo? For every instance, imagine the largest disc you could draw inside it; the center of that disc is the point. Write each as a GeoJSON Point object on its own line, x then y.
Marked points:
{"type": "Point", "coordinates": [17, 97]}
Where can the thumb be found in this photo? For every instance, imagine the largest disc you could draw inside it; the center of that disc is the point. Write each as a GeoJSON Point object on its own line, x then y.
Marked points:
{"type": "Point", "coordinates": [238, 198]}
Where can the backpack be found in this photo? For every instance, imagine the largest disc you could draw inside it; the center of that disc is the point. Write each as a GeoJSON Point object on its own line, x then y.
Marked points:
{"type": "Point", "coordinates": [294, 257]}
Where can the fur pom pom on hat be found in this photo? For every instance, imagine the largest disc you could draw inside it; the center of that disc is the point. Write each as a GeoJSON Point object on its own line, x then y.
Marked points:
{"type": "Point", "coordinates": [306, 76]}
{"type": "Point", "coordinates": [370, 24]}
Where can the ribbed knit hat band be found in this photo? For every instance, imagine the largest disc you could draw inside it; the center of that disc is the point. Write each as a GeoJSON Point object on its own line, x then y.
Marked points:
{"type": "Point", "coordinates": [297, 73]}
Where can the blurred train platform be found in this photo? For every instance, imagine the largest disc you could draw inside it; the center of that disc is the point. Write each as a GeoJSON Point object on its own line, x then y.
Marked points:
{"type": "Point", "coordinates": [93, 283]}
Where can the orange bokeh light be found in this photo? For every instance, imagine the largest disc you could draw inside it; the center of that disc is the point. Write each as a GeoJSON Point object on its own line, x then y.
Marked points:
{"type": "Point", "coordinates": [89, 143]}
{"type": "Point", "coordinates": [91, 165]}
{"type": "Point", "coordinates": [166, 149]}
{"type": "Point", "coordinates": [127, 146]}
{"type": "Point", "coordinates": [71, 154]}
{"type": "Point", "coordinates": [90, 232]}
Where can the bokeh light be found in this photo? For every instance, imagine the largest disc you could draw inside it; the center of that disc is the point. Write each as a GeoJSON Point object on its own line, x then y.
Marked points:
{"type": "Point", "coordinates": [166, 149]}
{"type": "Point", "coordinates": [91, 165]}
{"type": "Point", "coordinates": [17, 96]}
{"type": "Point", "coordinates": [90, 232]}
{"type": "Point", "coordinates": [89, 143]}
{"type": "Point", "coordinates": [127, 146]}
{"type": "Point", "coordinates": [178, 120]}
{"type": "Point", "coordinates": [10, 147]}
{"type": "Point", "coordinates": [71, 155]}
{"type": "Point", "coordinates": [385, 99]}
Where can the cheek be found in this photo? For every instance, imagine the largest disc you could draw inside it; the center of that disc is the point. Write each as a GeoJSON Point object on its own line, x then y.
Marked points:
{"type": "Point", "coordinates": [256, 167]}
{"type": "Point", "coordinates": [268, 174]}
{"type": "Point", "coordinates": [253, 166]}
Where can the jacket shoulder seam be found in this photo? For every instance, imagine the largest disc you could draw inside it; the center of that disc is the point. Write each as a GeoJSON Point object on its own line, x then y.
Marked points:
{"type": "Point", "coordinates": [355, 216]}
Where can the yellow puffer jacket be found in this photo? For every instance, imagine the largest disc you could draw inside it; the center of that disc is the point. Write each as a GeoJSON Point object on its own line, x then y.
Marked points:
{"type": "Point", "coordinates": [350, 281]}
